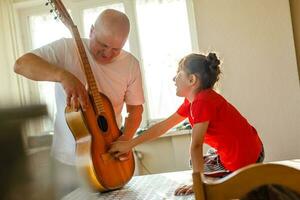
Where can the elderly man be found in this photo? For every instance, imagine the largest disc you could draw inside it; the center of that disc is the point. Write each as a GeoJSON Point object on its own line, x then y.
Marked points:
{"type": "Point", "coordinates": [116, 71]}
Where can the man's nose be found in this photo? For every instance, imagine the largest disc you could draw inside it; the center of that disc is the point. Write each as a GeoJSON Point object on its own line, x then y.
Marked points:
{"type": "Point", "coordinates": [174, 78]}
{"type": "Point", "coordinates": [107, 52]}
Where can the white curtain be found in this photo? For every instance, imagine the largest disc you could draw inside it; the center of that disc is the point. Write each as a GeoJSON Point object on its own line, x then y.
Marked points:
{"type": "Point", "coordinates": [14, 90]}
{"type": "Point", "coordinates": [9, 48]}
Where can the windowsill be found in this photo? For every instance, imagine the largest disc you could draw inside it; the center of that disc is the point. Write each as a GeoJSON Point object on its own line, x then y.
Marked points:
{"type": "Point", "coordinates": [36, 150]}
{"type": "Point", "coordinates": [172, 133]}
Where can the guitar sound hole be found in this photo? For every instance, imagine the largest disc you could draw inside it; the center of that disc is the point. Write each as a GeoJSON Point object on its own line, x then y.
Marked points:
{"type": "Point", "coordinates": [102, 123]}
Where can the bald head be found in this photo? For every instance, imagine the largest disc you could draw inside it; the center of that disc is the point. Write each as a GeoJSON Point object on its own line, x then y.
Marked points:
{"type": "Point", "coordinates": [109, 35]}
{"type": "Point", "coordinates": [112, 22]}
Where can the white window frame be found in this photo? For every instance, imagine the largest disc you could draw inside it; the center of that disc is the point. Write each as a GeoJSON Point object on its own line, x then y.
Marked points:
{"type": "Point", "coordinates": [24, 9]}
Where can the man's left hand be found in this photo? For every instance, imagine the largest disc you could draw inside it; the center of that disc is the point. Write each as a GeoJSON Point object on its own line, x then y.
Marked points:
{"type": "Point", "coordinates": [120, 148]}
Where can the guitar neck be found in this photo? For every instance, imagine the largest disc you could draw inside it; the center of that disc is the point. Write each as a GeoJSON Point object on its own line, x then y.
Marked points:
{"type": "Point", "coordinates": [86, 67]}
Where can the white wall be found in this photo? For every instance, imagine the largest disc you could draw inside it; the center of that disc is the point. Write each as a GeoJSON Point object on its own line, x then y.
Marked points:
{"type": "Point", "coordinates": [165, 154]}
{"type": "Point", "coordinates": [255, 41]}
{"type": "Point", "coordinates": [295, 13]}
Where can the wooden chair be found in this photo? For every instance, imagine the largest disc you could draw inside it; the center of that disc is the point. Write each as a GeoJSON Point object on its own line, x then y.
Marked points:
{"type": "Point", "coordinates": [242, 181]}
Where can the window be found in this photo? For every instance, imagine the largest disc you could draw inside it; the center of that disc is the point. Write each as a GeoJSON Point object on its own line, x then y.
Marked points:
{"type": "Point", "coordinates": [164, 38]}
{"type": "Point", "coordinates": [161, 34]}
{"type": "Point", "coordinates": [90, 15]}
{"type": "Point", "coordinates": [40, 26]}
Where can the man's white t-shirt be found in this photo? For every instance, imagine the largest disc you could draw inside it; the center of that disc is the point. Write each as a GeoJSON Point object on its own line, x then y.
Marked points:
{"type": "Point", "coordinates": [119, 80]}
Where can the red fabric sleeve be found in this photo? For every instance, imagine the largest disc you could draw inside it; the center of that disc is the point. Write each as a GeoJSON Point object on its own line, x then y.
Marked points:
{"type": "Point", "coordinates": [184, 109]}
{"type": "Point", "coordinates": [202, 111]}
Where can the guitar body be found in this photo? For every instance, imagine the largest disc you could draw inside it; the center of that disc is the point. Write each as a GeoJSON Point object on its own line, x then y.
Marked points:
{"type": "Point", "coordinates": [93, 135]}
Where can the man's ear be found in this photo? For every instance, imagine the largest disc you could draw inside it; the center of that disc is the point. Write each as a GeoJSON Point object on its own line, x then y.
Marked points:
{"type": "Point", "coordinates": [91, 30]}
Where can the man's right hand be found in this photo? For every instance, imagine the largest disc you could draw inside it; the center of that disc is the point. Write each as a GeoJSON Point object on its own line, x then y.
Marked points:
{"type": "Point", "coordinates": [76, 93]}
{"type": "Point", "coordinates": [36, 68]}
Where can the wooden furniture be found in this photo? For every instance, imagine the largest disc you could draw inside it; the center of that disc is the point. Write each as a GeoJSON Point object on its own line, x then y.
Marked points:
{"type": "Point", "coordinates": [239, 183]}
{"type": "Point", "coordinates": [162, 186]}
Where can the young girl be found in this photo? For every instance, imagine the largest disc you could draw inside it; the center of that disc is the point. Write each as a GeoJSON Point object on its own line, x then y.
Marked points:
{"type": "Point", "coordinates": [214, 120]}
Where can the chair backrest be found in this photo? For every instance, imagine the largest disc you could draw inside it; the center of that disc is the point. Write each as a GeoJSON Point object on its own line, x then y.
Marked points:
{"type": "Point", "coordinates": [242, 181]}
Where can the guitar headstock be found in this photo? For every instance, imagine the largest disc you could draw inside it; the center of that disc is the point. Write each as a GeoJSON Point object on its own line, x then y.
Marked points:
{"type": "Point", "coordinates": [61, 12]}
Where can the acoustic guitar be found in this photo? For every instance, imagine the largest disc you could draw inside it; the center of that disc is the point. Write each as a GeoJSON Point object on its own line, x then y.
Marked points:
{"type": "Point", "coordinates": [95, 128]}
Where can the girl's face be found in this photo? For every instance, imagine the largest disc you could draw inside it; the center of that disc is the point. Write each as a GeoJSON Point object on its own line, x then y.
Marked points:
{"type": "Point", "coordinates": [183, 83]}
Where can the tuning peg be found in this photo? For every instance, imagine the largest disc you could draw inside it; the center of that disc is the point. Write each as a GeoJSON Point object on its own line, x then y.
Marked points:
{"type": "Point", "coordinates": [53, 11]}
{"type": "Point", "coordinates": [47, 3]}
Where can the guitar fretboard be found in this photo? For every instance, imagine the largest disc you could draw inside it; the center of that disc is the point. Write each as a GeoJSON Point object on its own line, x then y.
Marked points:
{"type": "Point", "coordinates": [91, 82]}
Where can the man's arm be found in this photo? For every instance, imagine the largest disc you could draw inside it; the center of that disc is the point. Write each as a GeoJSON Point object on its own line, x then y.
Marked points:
{"type": "Point", "coordinates": [132, 121]}
{"type": "Point", "coordinates": [35, 68]}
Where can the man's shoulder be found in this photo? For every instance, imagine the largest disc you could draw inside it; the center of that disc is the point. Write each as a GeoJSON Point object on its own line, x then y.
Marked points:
{"type": "Point", "coordinates": [70, 45]}
{"type": "Point", "coordinates": [68, 41]}
{"type": "Point", "coordinates": [128, 57]}
{"type": "Point", "coordinates": [59, 43]}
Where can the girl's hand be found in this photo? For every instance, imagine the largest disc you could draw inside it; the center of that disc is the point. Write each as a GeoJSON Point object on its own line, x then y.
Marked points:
{"type": "Point", "coordinates": [184, 190]}
{"type": "Point", "coordinates": [119, 148]}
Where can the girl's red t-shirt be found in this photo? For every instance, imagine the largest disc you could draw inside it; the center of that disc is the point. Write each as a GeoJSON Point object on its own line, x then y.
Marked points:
{"type": "Point", "coordinates": [236, 141]}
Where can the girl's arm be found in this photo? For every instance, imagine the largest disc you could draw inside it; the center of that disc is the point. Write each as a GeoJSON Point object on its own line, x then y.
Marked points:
{"type": "Point", "coordinates": [198, 132]}
{"type": "Point", "coordinates": [196, 148]}
{"type": "Point", "coordinates": [120, 147]}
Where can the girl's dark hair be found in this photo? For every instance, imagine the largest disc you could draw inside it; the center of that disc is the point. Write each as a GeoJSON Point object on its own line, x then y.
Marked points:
{"type": "Point", "coordinates": [206, 68]}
